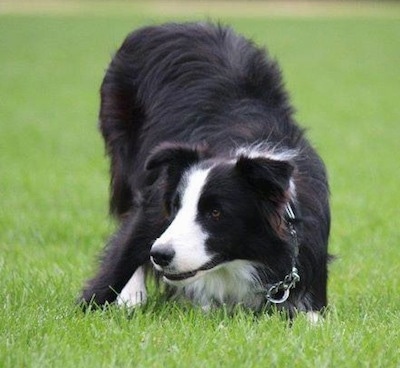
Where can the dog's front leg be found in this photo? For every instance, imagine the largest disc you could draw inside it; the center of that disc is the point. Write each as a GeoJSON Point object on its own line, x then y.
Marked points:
{"type": "Point", "coordinates": [121, 270]}
{"type": "Point", "coordinates": [134, 293]}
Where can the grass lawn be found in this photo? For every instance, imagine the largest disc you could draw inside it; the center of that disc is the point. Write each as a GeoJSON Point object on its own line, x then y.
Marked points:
{"type": "Point", "coordinates": [342, 68]}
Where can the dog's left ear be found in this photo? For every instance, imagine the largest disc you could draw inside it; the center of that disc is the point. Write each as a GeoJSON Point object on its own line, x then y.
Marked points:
{"type": "Point", "coordinates": [270, 178]}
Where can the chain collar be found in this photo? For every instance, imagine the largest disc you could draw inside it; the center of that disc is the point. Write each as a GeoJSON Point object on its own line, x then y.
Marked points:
{"type": "Point", "coordinates": [292, 278]}
{"type": "Point", "coordinates": [288, 283]}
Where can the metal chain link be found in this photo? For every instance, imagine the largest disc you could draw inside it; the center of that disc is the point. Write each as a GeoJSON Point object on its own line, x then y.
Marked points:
{"type": "Point", "coordinates": [288, 283]}
{"type": "Point", "coordinates": [291, 279]}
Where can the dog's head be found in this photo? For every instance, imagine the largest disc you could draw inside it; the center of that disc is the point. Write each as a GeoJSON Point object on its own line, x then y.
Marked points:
{"type": "Point", "coordinates": [219, 210]}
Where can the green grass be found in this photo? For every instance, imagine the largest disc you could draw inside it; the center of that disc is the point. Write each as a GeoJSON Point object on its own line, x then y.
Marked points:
{"type": "Point", "coordinates": [344, 79]}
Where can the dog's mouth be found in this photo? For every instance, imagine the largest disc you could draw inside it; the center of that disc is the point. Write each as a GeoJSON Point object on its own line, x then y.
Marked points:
{"type": "Point", "coordinates": [216, 261]}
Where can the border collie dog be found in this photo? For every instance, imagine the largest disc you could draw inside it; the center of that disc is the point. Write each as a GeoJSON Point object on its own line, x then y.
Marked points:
{"type": "Point", "coordinates": [212, 181]}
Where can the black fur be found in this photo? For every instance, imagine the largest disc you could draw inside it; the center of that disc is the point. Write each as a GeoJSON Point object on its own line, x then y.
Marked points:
{"type": "Point", "coordinates": [183, 94]}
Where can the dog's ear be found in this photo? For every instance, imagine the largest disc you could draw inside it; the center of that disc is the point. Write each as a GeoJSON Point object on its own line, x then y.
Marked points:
{"type": "Point", "coordinates": [177, 157]}
{"type": "Point", "coordinates": [173, 155]}
{"type": "Point", "coordinates": [270, 178]}
{"type": "Point", "coordinates": [171, 160]}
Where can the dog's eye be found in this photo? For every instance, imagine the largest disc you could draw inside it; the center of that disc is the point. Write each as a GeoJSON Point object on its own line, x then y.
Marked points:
{"type": "Point", "coordinates": [215, 214]}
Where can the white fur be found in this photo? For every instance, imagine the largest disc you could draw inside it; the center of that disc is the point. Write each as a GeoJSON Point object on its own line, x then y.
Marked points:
{"type": "Point", "coordinates": [230, 284]}
{"type": "Point", "coordinates": [262, 150]}
{"type": "Point", "coordinates": [313, 318]}
{"type": "Point", "coordinates": [134, 293]}
{"type": "Point", "coordinates": [185, 235]}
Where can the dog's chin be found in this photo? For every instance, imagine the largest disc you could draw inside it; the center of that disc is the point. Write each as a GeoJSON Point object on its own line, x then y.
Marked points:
{"type": "Point", "coordinates": [182, 279]}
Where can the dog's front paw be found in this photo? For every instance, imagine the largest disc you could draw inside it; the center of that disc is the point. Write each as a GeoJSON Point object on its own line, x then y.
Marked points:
{"type": "Point", "coordinates": [314, 318]}
{"type": "Point", "coordinates": [134, 293]}
{"type": "Point", "coordinates": [131, 300]}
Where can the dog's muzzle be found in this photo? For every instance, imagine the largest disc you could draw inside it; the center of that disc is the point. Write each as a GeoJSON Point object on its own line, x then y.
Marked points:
{"type": "Point", "coordinates": [162, 257]}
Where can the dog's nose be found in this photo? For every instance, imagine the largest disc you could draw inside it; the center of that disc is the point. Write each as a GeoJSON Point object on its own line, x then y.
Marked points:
{"type": "Point", "coordinates": [162, 256]}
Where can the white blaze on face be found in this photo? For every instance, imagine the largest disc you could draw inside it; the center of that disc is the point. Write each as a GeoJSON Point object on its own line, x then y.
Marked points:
{"type": "Point", "coordinates": [185, 235]}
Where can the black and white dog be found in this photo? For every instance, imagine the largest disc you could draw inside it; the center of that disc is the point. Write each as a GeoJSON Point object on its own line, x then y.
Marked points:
{"type": "Point", "coordinates": [212, 181]}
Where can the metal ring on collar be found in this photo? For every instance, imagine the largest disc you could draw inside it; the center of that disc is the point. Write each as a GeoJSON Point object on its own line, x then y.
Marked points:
{"type": "Point", "coordinates": [281, 300]}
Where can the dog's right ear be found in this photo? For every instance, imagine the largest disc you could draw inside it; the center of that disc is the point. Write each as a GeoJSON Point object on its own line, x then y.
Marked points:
{"type": "Point", "coordinates": [177, 157]}
{"type": "Point", "coordinates": [173, 159]}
